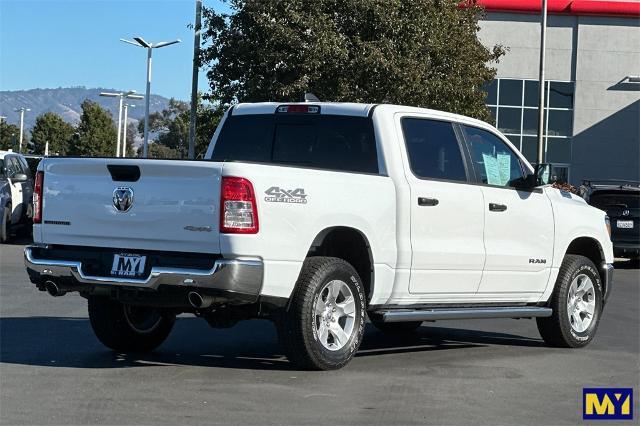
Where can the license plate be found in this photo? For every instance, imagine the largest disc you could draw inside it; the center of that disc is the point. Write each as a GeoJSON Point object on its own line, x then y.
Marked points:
{"type": "Point", "coordinates": [128, 265]}
{"type": "Point", "coordinates": [625, 224]}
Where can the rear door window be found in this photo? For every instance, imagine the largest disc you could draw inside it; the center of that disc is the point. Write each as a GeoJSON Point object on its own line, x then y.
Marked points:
{"type": "Point", "coordinates": [433, 149]}
{"type": "Point", "coordinates": [332, 142]}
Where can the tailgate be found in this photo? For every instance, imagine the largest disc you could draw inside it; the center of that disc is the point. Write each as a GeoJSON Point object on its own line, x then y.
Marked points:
{"type": "Point", "coordinates": [173, 204]}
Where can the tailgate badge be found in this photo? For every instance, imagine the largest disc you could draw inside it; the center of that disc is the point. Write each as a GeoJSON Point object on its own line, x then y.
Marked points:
{"type": "Point", "coordinates": [122, 198]}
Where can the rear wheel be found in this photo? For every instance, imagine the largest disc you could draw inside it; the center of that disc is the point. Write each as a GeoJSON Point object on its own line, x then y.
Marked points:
{"type": "Point", "coordinates": [127, 328]}
{"type": "Point", "coordinates": [323, 327]}
{"type": "Point", "coordinates": [576, 304]}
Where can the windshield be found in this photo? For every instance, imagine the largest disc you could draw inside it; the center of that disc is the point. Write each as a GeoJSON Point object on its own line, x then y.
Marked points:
{"type": "Point", "coordinates": [331, 142]}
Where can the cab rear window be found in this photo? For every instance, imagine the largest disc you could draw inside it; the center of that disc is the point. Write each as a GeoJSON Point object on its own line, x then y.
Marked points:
{"type": "Point", "coordinates": [331, 142]}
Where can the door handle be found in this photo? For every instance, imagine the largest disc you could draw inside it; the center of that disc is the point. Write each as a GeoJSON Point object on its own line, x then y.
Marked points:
{"type": "Point", "coordinates": [497, 207]}
{"type": "Point", "coordinates": [422, 201]}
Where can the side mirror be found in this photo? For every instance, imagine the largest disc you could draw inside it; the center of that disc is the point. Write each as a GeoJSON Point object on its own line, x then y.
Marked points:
{"type": "Point", "coordinates": [19, 178]}
{"type": "Point", "coordinates": [541, 176]}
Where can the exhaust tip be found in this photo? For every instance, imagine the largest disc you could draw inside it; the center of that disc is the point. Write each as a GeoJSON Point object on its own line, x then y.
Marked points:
{"type": "Point", "coordinates": [195, 299]}
{"type": "Point", "coordinates": [53, 289]}
{"type": "Point", "coordinates": [199, 301]}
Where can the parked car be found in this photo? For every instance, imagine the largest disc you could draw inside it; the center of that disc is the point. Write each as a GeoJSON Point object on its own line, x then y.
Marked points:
{"type": "Point", "coordinates": [621, 201]}
{"type": "Point", "coordinates": [33, 160]}
{"type": "Point", "coordinates": [317, 215]}
{"type": "Point", "coordinates": [16, 189]}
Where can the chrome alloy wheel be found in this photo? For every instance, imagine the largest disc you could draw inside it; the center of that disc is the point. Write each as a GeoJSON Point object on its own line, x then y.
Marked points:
{"type": "Point", "coordinates": [334, 315]}
{"type": "Point", "coordinates": [581, 303]}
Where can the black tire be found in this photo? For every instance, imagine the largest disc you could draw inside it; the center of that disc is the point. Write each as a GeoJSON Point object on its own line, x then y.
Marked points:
{"type": "Point", "coordinates": [113, 324]}
{"type": "Point", "coordinates": [557, 330]}
{"type": "Point", "coordinates": [297, 326]}
{"type": "Point", "coordinates": [392, 328]}
{"type": "Point", "coordinates": [4, 226]}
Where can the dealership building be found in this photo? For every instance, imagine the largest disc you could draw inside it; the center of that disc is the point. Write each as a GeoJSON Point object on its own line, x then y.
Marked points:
{"type": "Point", "coordinates": [593, 83]}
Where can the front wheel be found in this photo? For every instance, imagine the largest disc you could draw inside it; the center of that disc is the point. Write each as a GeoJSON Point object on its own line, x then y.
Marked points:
{"type": "Point", "coordinates": [127, 328]}
{"type": "Point", "coordinates": [577, 305]}
{"type": "Point", "coordinates": [323, 327]}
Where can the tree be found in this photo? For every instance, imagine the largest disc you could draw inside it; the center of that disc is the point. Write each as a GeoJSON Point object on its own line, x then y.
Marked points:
{"type": "Point", "coordinates": [9, 134]}
{"type": "Point", "coordinates": [50, 127]}
{"type": "Point", "coordinates": [421, 53]}
{"type": "Point", "coordinates": [158, 150]}
{"type": "Point", "coordinates": [173, 127]}
{"type": "Point", "coordinates": [96, 135]}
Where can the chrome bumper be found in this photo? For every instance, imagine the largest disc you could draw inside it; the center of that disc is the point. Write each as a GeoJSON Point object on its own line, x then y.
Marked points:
{"type": "Point", "coordinates": [238, 276]}
{"type": "Point", "coordinates": [607, 273]}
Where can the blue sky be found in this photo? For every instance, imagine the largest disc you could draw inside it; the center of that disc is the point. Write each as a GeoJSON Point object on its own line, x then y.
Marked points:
{"type": "Point", "coordinates": [60, 43]}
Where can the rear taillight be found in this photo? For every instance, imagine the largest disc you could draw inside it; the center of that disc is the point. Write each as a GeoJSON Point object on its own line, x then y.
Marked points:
{"type": "Point", "coordinates": [37, 197]}
{"type": "Point", "coordinates": [238, 210]}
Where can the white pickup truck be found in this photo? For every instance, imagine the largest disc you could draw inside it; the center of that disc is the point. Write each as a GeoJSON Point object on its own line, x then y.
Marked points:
{"type": "Point", "coordinates": [319, 215]}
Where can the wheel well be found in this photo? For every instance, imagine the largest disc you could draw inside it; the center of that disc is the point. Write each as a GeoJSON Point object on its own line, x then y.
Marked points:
{"type": "Point", "coordinates": [350, 245]}
{"type": "Point", "coordinates": [590, 248]}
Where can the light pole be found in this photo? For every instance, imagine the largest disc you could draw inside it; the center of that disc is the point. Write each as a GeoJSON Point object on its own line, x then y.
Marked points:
{"type": "Point", "coordinates": [541, 94]}
{"type": "Point", "coordinates": [124, 130]}
{"type": "Point", "coordinates": [121, 95]}
{"type": "Point", "coordinates": [140, 42]}
{"type": "Point", "coordinates": [21, 110]}
{"type": "Point", "coordinates": [194, 80]}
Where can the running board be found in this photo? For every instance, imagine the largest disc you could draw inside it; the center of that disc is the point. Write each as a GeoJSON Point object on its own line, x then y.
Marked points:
{"type": "Point", "coordinates": [402, 315]}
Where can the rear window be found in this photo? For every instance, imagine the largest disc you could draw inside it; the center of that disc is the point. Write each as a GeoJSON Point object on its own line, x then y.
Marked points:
{"type": "Point", "coordinates": [607, 200]}
{"type": "Point", "coordinates": [332, 142]}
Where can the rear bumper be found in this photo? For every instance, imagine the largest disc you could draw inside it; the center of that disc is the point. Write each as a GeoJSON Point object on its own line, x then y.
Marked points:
{"type": "Point", "coordinates": [607, 273]}
{"type": "Point", "coordinates": [242, 277]}
{"type": "Point", "coordinates": [623, 248]}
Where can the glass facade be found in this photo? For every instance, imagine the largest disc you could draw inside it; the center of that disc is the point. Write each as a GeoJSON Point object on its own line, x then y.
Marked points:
{"type": "Point", "coordinates": [514, 106]}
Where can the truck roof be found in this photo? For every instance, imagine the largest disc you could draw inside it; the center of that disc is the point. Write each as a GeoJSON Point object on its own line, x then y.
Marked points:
{"type": "Point", "coordinates": [349, 108]}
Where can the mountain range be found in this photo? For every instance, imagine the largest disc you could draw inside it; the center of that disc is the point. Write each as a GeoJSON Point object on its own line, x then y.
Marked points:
{"type": "Point", "coordinates": [67, 101]}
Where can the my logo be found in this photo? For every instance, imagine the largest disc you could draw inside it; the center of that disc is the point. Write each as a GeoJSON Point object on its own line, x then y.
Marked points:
{"type": "Point", "coordinates": [607, 403]}
{"type": "Point", "coordinates": [625, 212]}
{"type": "Point", "coordinates": [538, 261]}
{"type": "Point", "coordinates": [279, 195]}
{"type": "Point", "coordinates": [123, 198]}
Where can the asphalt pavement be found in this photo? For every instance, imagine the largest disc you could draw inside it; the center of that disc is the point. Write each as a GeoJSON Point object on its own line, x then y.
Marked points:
{"type": "Point", "coordinates": [483, 372]}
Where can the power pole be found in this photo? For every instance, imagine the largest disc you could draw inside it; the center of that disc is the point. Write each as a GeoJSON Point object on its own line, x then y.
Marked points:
{"type": "Point", "coordinates": [541, 99]}
{"type": "Point", "coordinates": [194, 80]}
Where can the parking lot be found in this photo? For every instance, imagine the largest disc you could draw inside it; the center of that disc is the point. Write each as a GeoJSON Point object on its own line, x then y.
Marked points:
{"type": "Point", "coordinates": [54, 371]}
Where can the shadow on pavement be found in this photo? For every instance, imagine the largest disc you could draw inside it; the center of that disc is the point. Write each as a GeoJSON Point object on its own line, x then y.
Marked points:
{"type": "Point", "coordinates": [70, 342]}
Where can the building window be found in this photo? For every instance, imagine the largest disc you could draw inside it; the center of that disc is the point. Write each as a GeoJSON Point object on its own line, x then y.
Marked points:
{"type": "Point", "coordinates": [514, 106]}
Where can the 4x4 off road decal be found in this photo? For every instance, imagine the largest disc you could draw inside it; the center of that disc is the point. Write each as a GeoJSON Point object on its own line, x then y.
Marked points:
{"type": "Point", "coordinates": [278, 195]}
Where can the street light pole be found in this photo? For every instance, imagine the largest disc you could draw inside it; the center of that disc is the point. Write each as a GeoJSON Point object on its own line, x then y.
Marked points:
{"type": "Point", "coordinates": [121, 95]}
{"type": "Point", "coordinates": [124, 130]}
{"type": "Point", "coordinates": [541, 93]}
{"type": "Point", "coordinates": [194, 80]}
{"type": "Point", "coordinates": [140, 42]}
{"type": "Point", "coordinates": [21, 110]}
